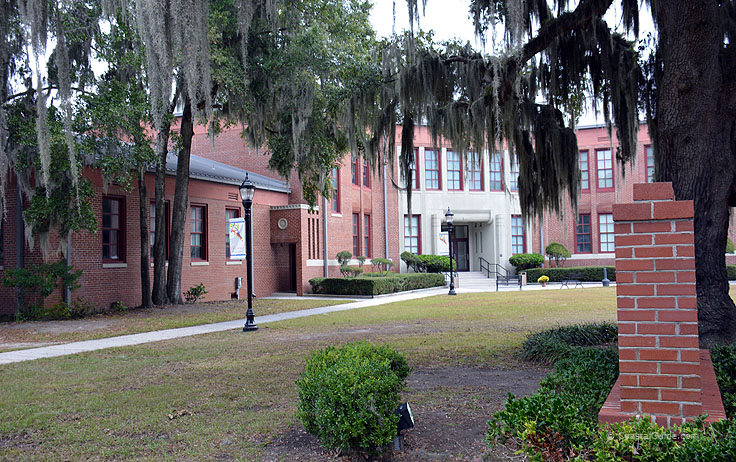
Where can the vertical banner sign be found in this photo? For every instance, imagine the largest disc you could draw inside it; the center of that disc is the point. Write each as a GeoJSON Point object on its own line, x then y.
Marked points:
{"type": "Point", "coordinates": [236, 229]}
{"type": "Point", "coordinates": [443, 247]}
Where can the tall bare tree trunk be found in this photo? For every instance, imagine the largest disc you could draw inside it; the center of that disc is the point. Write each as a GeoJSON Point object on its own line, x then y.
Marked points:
{"type": "Point", "coordinates": [695, 131]}
{"type": "Point", "coordinates": [146, 301]}
{"type": "Point", "coordinates": [181, 206]}
{"type": "Point", "coordinates": [159, 248]}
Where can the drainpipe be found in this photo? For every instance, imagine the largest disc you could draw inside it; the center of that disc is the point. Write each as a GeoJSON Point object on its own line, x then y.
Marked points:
{"type": "Point", "coordinates": [20, 240]}
{"type": "Point", "coordinates": [325, 268]}
{"type": "Point", "coordinates": [68, 289]}
{"type": "Point", "coordinates": [541, 238]}
{"type": "Point", "coordinates": [385, 209]}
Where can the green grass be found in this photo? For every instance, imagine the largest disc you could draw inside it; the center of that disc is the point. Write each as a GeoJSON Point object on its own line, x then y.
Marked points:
{"type": "Point", "coordinates": [137, 321]}
{"type": "Point", "coordinates": [239, 388]}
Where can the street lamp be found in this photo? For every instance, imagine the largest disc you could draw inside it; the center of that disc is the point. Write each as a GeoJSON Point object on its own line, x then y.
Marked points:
{"type": "Point", "coordinates": [247, 190]}
{"type": "Point", "coordinates": [449, 217]}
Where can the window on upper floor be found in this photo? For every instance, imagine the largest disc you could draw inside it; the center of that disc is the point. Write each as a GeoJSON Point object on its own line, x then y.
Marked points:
{"type": "Point", "coordinates": [496, 172]}
{"type": "Point", "coordinates": [432, 173]}
{"type": "Point", "coordinates": [518, 235]}
{"type": "Point", "coordinates": [113, 229]}
{"type": "Point", "coordinates": [605, 224]}
{"type": "Point", "coordinates": [454, 171]}
{"type": "Point", "coordinates": [605, 169]}
{"type": "Point", "coordinates": [354, 173]}
{"type": "Point", "coordinates": [514, 176]}
{"type": "Point", "coordinates": [475, 171]}
{"type": "Point", "coordinates": [198, 232]}
{"type": "Point", "coordinates": [335, 183]}
{"type": "Point", "coordinates": [412, 234]}
{"type": "Point", "coordinates": [583, 242]}
{"type": "Point", "coordinates": [356, 234]}
{"type": "Point", "coordinates": [650, 164]}
{"type": "Point", "coordinates": [366, 175]}
{"type": "Point", "coordinates": [584, 171]}
{"type": "Point", "coordinates": [414, 171]}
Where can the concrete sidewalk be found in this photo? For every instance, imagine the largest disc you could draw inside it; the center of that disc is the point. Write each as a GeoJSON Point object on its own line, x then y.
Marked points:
{"type": "Point", "coordinates": [155, 336]}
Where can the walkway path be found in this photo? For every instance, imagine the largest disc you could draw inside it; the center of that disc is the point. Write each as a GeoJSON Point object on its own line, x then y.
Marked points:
{"type": "Point", "coordinates": [155, 336]}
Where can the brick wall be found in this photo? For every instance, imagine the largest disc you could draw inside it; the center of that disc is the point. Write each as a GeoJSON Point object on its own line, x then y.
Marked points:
{"type": "Point", "coordinates": [659, 357]}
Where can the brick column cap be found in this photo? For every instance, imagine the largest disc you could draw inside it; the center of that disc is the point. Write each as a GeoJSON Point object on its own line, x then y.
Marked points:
{"type": "Point", "coordinates": [653, 192]}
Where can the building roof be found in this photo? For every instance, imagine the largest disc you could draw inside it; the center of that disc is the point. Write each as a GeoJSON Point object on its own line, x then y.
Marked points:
{"type": "Point", "coordinates": [201, 168]}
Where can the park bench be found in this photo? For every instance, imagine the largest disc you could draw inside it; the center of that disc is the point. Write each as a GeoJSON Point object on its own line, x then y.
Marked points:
{"type": "Point", "coordinates": [572, 277]}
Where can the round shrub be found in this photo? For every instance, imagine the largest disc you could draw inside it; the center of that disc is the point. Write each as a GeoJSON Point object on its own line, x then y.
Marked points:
{"type": "Point", "coordinates": [557, 252]}
{"type": "Point", "coordinates": [348, 394]}
{"type": "Point", "coordinates": [524, 261]}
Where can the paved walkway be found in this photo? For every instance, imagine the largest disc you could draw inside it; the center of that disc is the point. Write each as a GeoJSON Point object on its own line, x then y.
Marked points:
{"type": "Point", "coordinates": [155, 336]}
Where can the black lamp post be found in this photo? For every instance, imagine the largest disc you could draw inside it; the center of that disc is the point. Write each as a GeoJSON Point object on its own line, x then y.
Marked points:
{"type": "Point", "coordinates": [449, 217]}
{"type": "Point", "coordinates": [247, 190]}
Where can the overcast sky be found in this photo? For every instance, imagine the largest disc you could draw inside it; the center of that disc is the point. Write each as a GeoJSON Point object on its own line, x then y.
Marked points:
{"type": "Point", "coordinates": [450, 19]}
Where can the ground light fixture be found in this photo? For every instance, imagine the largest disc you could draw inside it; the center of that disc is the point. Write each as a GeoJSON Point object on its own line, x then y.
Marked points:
{"type": "Point", "coordinates": [247, 191]}
{"type": "Point", "coordinates": [449, 218]}
{"type": "Point", "coordinates": [406, 421]}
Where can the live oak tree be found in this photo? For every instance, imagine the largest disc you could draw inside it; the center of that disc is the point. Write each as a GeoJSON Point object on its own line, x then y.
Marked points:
{"type": "Point", "coordinates": [544, 58]}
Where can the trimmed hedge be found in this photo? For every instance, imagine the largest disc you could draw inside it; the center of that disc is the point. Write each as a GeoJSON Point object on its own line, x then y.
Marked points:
{"type": "Point", "coordinates": [585, 273]}
{"type": "Point", "coordinates": [524, 261]}
{"type": "Point", "coordinates": [376, 285]}
{"type": "Point", "coordinates": [731, 271]}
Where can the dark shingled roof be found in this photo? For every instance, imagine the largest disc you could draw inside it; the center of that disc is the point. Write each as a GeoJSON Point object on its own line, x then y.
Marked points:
{"type": "Point", "coordinates": [204, 169]}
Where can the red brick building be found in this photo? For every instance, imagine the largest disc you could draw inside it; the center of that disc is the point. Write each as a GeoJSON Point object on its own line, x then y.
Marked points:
{"type": "Point", "coordinates": [290, 238]}
{"type": "Point", "coordinates": [589, 233]}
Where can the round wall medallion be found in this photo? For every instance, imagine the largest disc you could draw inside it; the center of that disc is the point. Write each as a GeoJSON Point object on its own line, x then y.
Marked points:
{"type": "Point", "coordinates": [283, 223]}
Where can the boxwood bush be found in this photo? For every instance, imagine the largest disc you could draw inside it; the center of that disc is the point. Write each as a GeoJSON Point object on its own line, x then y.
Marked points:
{"type": "Point", "coordinates": [524, 261]}
{"type": "Point", "coordinates": [376, 284]}
{"type": "Point", "coordinates": [585, 273]}
{"type": "Point", "coordinates": [560, 420]}
{"type": "Point", "coordinates": [426, 263]}
{"type": "Point", "coordinates": [348, 394]}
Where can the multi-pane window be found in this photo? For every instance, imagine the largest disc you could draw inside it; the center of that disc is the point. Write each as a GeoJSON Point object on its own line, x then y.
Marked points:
{"type": "Point", "coordinates": [367, 248]}
{"type": "Point", "coordinates": [475, 171]}
{"type": "Point", "coordinates": [113, 219]}
{"type": "Point", "coordinates": [518, 241]}
{"type": "Point", "coordinates": [605, 169]}
{"type": "Point", "coordinates": [229, 214]}
{"type": "Point", "coordinates": [198, 232]}
{"type": "Point", "coordinates": [582, 234]}
{"type": "Point", "coordinates": [496, 171]}
{"type": "Point", "coordinates": [335, 183]}
{"type": "Point", "coordinates": [650, 164]}
{"type": "Point", "coordinates": [414, 171]}
{"type": "Point", "coordinates": [412, 239]}
{"type": "Point", "coordinates": [584, 171]}
{"type": "Point", "coordinates": [354, 172]}
{"type": "Point", "coordinates": [605, 222]}
{"type": "Point", "coordinates": [514, 175]}
{"type": "Point", "coordinates": [431, 169]}
{"type": "Point", "coordinates": [356, 234]}
{"type": "Point", "coordinates": [366, 175]}
{"type": "Point", "coordinates": [454, 171]}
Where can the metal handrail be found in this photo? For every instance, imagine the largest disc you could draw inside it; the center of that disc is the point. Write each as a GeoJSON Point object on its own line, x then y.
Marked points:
{"type": "Point", "coordinates": [493, 268]}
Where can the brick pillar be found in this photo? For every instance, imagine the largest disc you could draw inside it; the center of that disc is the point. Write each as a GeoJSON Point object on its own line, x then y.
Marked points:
{"type": "Point", "coordinates": [660, 370]}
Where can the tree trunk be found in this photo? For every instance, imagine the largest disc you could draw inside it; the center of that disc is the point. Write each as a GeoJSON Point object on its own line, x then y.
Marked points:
{"type": "Point", "coordinates": [159, 249]}
{"type": "Point", "coordinates": [146, 301]}
{"type": "Point", "coordinates": [180, 207]}
{"type": "Point", "coordinates": [693, 139]}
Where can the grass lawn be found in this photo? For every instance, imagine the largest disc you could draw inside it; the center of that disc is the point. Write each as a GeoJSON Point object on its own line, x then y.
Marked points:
{"type": "Point", "coordinates": [231, 396]}
{"type": "Point", "coordinates": [136, 321]}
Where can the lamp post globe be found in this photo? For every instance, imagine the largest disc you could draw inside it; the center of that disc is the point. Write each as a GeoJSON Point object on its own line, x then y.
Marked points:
{"type": "Point", "coordinates": [247, 191]}
{"type": "Point", "coordinates": [450, 218]}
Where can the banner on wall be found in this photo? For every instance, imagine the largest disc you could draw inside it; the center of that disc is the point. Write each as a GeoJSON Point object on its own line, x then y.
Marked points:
{"type": "Point", "coordinates": [236, 229]}
{"type": "Point", "coordinates": [443, 247]}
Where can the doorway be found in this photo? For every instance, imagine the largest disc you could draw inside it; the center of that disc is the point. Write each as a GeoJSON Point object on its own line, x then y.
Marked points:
{"type": "Point", "coordinates": [460, 247]}
{"type": "Point", "coordinates": [292, 267]}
